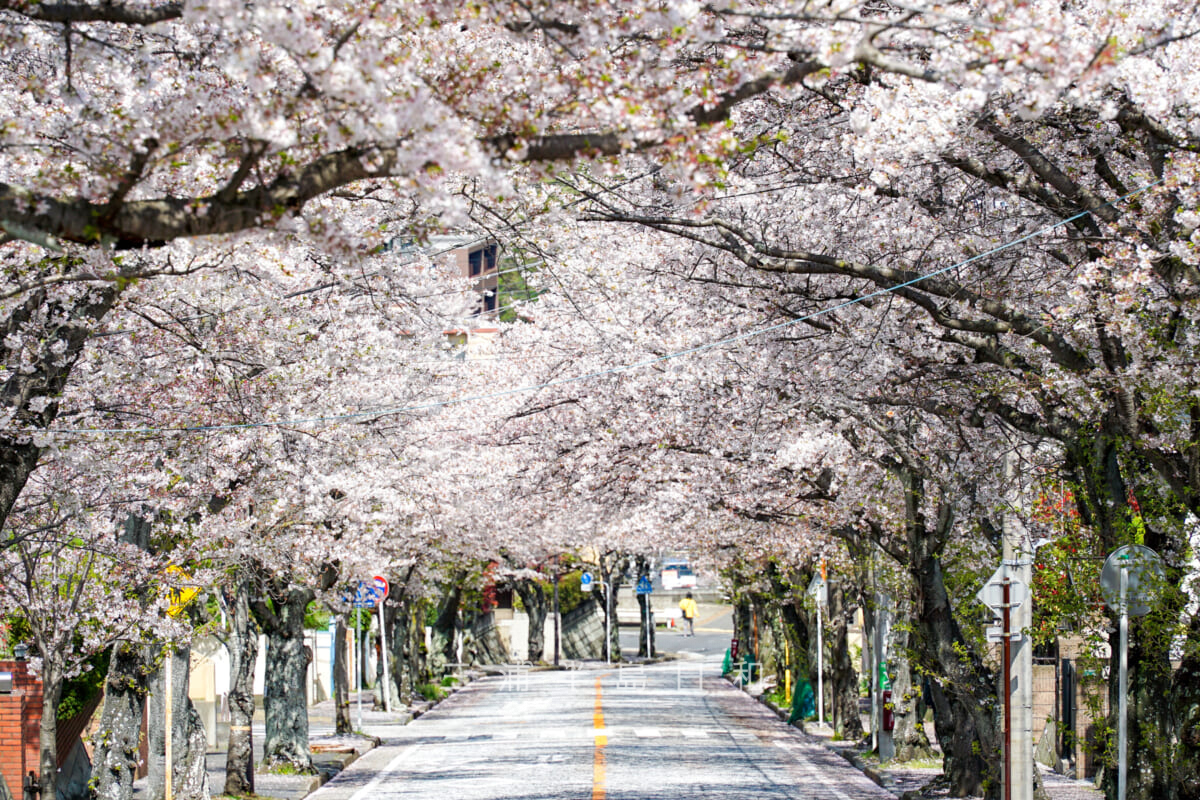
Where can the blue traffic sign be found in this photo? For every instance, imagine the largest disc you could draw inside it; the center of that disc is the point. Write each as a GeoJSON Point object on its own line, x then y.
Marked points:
{"type": "Point", "coordinates": [585, 579]}
{"type": "Point", "coordinates": [365, 596]}
{"type": "Point", "coordinates": [643, 586]}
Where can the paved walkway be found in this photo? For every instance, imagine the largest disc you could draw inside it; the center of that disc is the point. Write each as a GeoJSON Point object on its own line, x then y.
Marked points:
{"type": "Point", "coordinates": [901, 778]}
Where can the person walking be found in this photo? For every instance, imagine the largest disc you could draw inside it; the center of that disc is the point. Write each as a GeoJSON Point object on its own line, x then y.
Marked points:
{"type": "Point", "coordinates": [688, 606]}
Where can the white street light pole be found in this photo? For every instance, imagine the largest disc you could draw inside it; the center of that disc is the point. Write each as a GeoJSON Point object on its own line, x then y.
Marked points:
{"type": "Point", "coordinates": [607, 621]}
{"type": "Point", "coordinates": [820, 670]}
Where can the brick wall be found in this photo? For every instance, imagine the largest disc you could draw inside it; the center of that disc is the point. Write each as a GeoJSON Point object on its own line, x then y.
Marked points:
{"type": "Point", "coordinates": [1045, 699]}
{"type": "Point", "coordinates": [20, 718]}
{"type": "Point", "coordinates": [20, 722]}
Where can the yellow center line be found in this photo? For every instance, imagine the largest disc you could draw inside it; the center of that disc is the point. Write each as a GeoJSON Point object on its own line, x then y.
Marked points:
{"type": "Point", "coordinates": [598, 790]}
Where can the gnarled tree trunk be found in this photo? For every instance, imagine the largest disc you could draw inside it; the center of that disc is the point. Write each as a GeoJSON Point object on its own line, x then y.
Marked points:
{"type": "Point", "coordinates": [967, 726]}
{"type": "Point", "coordinates": [533, 597]}
{"type": "Point", "coordinates": [415, 652]}
{"type": "Point", "coordinates": [116, 750]}
{"type": "Point", "coordinates": [189, 780]}
{"type": "Point", "coordinates": [341, 676]}
{"type": "Point", "coordinates": [843, 679]}
{"type": "Point", "coordinates": [52, 686]}
{"type": "Point", "coordinates": [285, 703]}
{"type": "Point", "coordinates": [909, 736]}
{"type": "Point", "coordinates": [115, 754]}
{"type": "Point", "coordinates": [445, 628]}
{"type": "Point", "coordinates": [242, 645]}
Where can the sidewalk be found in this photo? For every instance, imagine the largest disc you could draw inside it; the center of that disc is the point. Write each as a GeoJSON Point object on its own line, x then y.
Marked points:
{"type": "Point", "coordinates": [906, 780]}
{"type": "Point", "coordinates": [330, 754]}
{"type": "Point", "coordinates": [900, 779]}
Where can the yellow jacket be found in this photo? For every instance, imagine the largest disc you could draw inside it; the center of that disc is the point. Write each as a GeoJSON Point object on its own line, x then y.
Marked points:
{"type": "Point", "coordinates": [688, 606]}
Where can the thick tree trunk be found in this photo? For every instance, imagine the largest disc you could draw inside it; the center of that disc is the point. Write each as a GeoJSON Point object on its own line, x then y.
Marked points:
{"type": "Point", "coordinates": [843, 678]}
{"type": "Point", "coordinates": [909, 735]}
{"type": "Point", "coordinates": [242, 644]}
{"type": "Point", "coordinates": [1186, 702]}
{"type": "Point", "coordinates": [367, 641]}
{"type": "Point", "coordinates": [967, 727]}
{"type": "Point", "coordinates": [52, 685]}
{"type": "Point", "coordinates": [646, 632]}
{"type": "Point", "coordinates": [115, 754]}
{"type": "Point", "coordinates": [116, 751]}
{"type": "Point", "coordinates": [189, 780]}
{"type": "Point", "coordinates": [285, 705]}
{"type": "Point", "coordinates": [415, 652]}
{"type": "Point", "coordinates": [445, 627]}
{"type": "Point", "coordinates": [1161, 700]}
{"type": "Point", "coordinates": [1151, 726]}
{"type": "Point", "coordinates": [614, 627]}
{"type": "Point", "coordinates": [533, 597]}
{"type": "Point", "coordinates": [966, 721]}
{"type": "Point", "coordinates": [341, 677]}
{"type": "Point", "coordinates": [797, 633]}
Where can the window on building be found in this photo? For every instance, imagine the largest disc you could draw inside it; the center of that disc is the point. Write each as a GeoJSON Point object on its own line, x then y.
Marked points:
{"type": "Point", "coordinates": [483, 260]}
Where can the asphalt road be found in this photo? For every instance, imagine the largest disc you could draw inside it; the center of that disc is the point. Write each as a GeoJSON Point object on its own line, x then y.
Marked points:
{"type": "Point", "coordinates": [660, 732]}
{"type": "Point", "coordinates": [714, 629]}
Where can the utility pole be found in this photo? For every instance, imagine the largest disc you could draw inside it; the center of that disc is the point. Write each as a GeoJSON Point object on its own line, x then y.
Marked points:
{"type": "Point", "coordinates": [1017, 558]}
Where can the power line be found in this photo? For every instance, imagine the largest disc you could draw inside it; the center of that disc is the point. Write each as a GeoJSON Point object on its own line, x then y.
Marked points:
{"type": "Point", "coordinates": [359, 415]}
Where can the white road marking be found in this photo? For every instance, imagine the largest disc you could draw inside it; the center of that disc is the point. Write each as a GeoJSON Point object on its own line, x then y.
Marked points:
{"type": "Point", "coordinates": [647, 733]}
{"type": "Point", "coordinates": [369, 789]}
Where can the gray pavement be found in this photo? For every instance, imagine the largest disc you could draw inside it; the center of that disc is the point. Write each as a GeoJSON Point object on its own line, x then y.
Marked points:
{"type": "Point", "coordinates": [662, 731]}
{"type": "Point", "coordinates": [714, 629]}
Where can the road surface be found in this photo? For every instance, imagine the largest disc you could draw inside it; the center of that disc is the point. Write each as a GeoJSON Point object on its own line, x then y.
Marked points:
{"type": "Point", "coordinates": [660, 732]}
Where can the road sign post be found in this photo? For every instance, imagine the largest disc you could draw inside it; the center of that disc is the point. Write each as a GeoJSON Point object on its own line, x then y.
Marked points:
{"type": "Point", "coordinates": [1129, 580]}
{"type": "Point", "coordinates": [1002, 594]}
{"type": "Point", "coordinates": [364, 597]}
{"type": "Point", "coordinates": [818, 589]}
{"type": "Point", "coordinates": [644, 589]}
{"type": "Point", "coordinates": [381, 590]}
{"type": "Point", "coordinates": [358, 667]}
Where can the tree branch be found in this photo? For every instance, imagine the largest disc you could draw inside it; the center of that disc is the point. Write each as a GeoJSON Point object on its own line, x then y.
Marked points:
{"type": "Point", "coordinates": [106, 11]}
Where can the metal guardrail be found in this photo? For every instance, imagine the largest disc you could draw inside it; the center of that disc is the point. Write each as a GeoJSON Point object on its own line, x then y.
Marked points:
{"type": "Point", "coordinates": [680, 673]}
{"type": "Point", "coordinates": [631, 676]}
{"type": "Point", "coordinates": [516, 677]}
